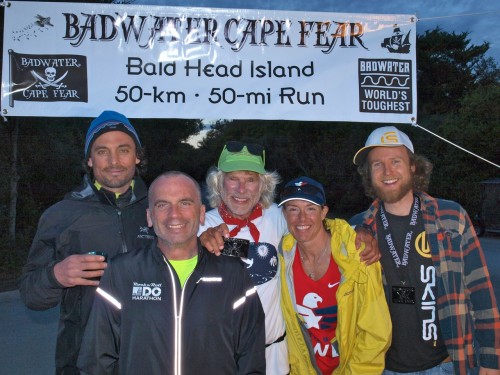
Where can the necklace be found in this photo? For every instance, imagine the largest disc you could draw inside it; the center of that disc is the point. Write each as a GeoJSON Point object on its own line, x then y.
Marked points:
{"type": "Point", "coordinates": [310, 273]}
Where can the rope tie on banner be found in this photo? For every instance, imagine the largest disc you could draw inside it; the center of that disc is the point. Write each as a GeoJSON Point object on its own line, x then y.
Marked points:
{"type": "Point", "coordinates": [453, 144]}
{"type": "Point", "coordinates": [5, 4]}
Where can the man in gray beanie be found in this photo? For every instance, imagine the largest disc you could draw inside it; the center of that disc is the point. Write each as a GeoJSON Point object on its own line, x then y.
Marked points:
{"type": "Point", "coordinates": [105, 216]}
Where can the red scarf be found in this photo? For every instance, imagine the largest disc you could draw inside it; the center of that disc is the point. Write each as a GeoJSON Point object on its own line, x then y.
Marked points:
{"type": "Point", "coordinates": [240, 223]}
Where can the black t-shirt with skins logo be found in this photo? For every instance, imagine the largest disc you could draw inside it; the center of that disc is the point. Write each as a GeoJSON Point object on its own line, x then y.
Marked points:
{"type": "Point", "coordinates": [417, 344]}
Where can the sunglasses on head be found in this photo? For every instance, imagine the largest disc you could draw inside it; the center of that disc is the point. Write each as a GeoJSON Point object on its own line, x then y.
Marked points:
{"type": "Point", "coordinates": [254, 149]}
{"type": "Point", "coordinates": [306, 189]}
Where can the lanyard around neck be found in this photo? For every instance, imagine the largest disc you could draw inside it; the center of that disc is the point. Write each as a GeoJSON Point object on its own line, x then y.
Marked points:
{"type": "Point", "coordinates": [388, 236]}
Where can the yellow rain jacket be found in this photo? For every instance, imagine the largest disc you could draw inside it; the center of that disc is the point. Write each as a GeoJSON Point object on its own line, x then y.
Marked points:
{"type": "Point", "coordinates": [364, 326]}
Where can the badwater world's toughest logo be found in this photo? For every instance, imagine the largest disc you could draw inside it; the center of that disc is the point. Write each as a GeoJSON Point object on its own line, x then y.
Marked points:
{"type": "Point", "coordinates": [48, 78]}
{"type": "Point", "coordinates": [385, 85]}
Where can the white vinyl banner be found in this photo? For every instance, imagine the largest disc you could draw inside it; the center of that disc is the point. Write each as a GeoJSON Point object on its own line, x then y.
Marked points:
{"type": "Point", "coordinates": [77, 59]}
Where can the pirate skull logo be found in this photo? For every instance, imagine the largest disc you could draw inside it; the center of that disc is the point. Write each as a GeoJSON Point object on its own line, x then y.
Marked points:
{"type": "Point", "coordinates": [50, 79]}
{"type": "Point", "coordinates": [50, 73]}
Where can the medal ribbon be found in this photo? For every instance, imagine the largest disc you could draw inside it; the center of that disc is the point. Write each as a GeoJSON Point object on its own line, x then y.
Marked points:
{"type": "Point", "coordinates": [388, 234]}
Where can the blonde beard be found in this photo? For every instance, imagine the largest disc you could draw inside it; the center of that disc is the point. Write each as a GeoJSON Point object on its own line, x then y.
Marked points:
{"type": "Point", "coordinates": [393, 196]}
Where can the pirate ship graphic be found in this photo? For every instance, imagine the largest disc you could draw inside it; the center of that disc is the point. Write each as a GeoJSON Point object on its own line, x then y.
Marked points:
{"type": "Point", "coordinates": [398, 42]}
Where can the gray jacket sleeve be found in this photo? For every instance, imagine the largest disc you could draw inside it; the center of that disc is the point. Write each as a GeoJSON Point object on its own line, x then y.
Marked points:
{"type": "Point", "coordinates": [38, 286]}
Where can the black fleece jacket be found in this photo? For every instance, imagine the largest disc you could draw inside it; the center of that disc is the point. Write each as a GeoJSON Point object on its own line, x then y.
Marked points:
{"type": "Point", "coordinates": [85, 220]}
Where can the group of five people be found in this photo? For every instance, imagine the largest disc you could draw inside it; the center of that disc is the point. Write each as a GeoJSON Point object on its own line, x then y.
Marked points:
{"type": "Point", "coordinates": [310, 297]}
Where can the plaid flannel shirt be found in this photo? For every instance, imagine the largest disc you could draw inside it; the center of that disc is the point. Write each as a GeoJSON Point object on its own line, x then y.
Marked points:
{"type": "Point", "coordinates": [467, 308]}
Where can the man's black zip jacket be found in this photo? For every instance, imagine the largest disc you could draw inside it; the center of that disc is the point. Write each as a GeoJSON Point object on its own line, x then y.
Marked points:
{"type": "Point", "coordinates": [143, 322]}
{"type": "Point", "coordinates": [85, 220]}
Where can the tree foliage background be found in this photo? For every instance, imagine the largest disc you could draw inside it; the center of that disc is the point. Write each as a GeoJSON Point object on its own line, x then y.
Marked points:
{"type": "Point", "coordinates": [458, 96]}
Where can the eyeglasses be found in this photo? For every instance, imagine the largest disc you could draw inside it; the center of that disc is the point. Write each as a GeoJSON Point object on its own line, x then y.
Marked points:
{"type": "Point", "coordinates": [305, 189]}
{"type": "Point", "coordinates": [254, 149]}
